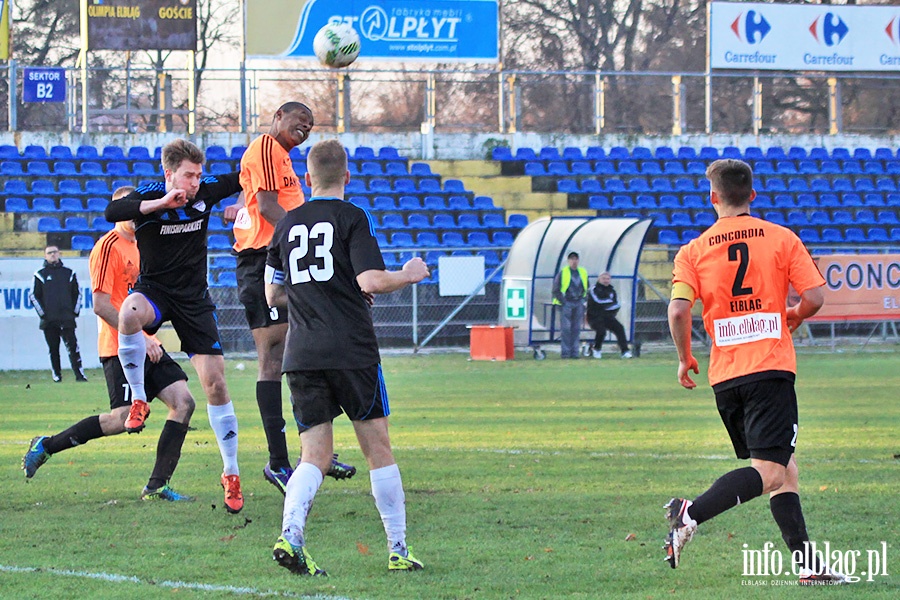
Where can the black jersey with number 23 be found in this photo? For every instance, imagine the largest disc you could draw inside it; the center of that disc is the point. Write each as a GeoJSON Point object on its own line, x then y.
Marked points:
{"type": "Point", "coordinates": [316, 252]}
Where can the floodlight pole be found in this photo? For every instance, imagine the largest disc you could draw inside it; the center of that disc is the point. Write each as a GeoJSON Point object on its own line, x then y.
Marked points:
{"type": "Point", "coordinates": [82, 59]}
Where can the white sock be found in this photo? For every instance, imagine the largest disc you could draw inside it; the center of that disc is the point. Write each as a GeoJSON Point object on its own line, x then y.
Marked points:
{"type": "Point", "coordinates": [224, 425]}
{"type": "Point", "coordinates": [298, 498]}
{"type": "Point", "coordinates": [387, 488]}
{"type": "Point", "coordinates": [132, 354]}
{"type": "Point", "coordinates": [686, 517]}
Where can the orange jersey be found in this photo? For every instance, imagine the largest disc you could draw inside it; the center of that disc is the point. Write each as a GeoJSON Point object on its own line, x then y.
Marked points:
{"type": "Point", "coordinates": [265, 167]}
{"type": "Point", "coordinates": [114, 265]}
{"type": "Point", "coordinates": [741, 269]}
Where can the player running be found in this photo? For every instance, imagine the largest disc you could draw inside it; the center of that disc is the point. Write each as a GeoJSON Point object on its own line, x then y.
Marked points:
{"type": "Point", "coordinates": [114, 265]}
{"type": "Point", "coordinates": [741, 269]}
{"type": "Point", "coordinates": [171, 220]}
{"type": "Point", "coordinates": [270, 188]}
{"type": "Point", "coordinates": [322, 260]}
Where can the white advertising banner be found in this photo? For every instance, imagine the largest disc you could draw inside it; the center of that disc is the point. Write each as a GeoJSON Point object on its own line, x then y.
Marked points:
{"type": "Point", "coordinates": [804, 37]}
{"type": "Point", "coordinates": [22, 344]}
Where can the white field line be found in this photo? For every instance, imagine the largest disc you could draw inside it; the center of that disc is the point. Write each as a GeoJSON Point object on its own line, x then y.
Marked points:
{"type": "Point", "coordinates": [182, 585]}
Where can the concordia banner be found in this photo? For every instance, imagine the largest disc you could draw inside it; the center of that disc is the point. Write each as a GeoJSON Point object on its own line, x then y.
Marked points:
{"type": "Point", "coordinates": [390, 30]}
{"type": "Point", "coordinates": [141, 24]}
{"type": "Point", "coordinates": [860, 287]}
{"type": "Point", "coordinates": [795, 37]}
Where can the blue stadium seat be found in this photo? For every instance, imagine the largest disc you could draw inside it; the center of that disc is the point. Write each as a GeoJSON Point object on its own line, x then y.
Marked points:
{"type": "Point", "coordinates": [618, 153]}
{"type": "Point", "coordinates": [591, 186]}
{"type": "Point", "coordinates": [63, 168]}
{"type": "Point", "coordinates": [621, 202]}
{"type": "Point", "coordinates": [661, 185]}
{"type": "Point", "coordinates": [34, 152]}
{"type": "Point", "coordinates": [783, 201]}
{"type": "Point", "coordinates": [807, 167]}
{"type": "Point", "coordinates": [680, 219]}
{"type": "Point", "coordinates": [409, 203]}
{"type": "Point", "coordinates": [384, 203]}
{"type": "Point", "coordinates": [851, 167]}
{"type": "Point", "coordinates": [517, 221]}
{"type": "Point", "coordinates": [865, 216]}
{"type": "Point", "coordinates": [382, 240]}
{"type": "Point", "coordinates": [428, 239]}
{"type": "Point", "coordinates": [595, 153]}
{"type": "Point", "coordinates": [641, 153]}
{"type": "Point", "coordinates": [226, 279]}
{"type": "Point", "coordinates": [830, 167]}
{"type": "Point", "coordinates": [885, 184]}
{"type": "Point", "coordinates": [862, 154]}
{"type": "Point", "coordinates": [393, 221]}
{"type": "Point", "coordinates": [454, 186]}
{"type": "Point", "coordinates": [360, 201]}
{"type": "Point", "coordinates": [430, 186]}
{"type": "Point", "coordinates": [501, 153]}
{"type": "Point", "coordinates": [572, 154]}
{"type": "Point", "coordinates": [863, 185]}
{"type": "Point", "coordinates": [491, 258]}
{"type": "Point", "coordinates": [598, 202]}
{"type": "Point", "coordinates": [797, 153]}
{"type": "Point", "coordinates": [689, 234]}
{"type": "Point", "coordinates": [9, 153]}
{"type": "Point", "coordinates": [762, 201]}
{"type": "Point", "coordinates": [371, 168]}
{"type": "Point", "coordinates": [458, 203]}
{"type": "Point", "coordinates": [217, 224]}
{"type": "Point", "coordinates": [819, 154]}
{"type": "Point", "coordinates": [777, 153]}
{"type": "Point", "coordinates": [877, 235]}
{"type": "Point", "coordinates": [478, 238]}
{"type": "Point", "coordinates": [797, 185]}
{"type": "Point", "coordinates": [832, 236]}
{"type": "Point", "coordinates": [626, 167]}
{"type": "Point", "coordinates": [840, 154]}
{"type": "Point", "coordinates": [693, 201]}
{"type": "Point", "coordinates": [380, 186]}
{"type": "Point", "coordinates": [434, 203]}
{"type": "Point", "coordinates": [48, 224]}
{"type": "Point", "coordinates": [615, 186]}
{"type": "Point", "coordinates": [797, 218]}
{"type": "Point", "coordinates": [405, 186]}
{"type": "Point", "coordinates": [92, 169]}
{"type": "Point", "coordinates": [884, 154]}
{"type": "Point", "coordinates": [418, 221]}
{"type": "Point", "coordinates": [686, 153]}
{"type": "Point", "coordinates": [841, 217]}
{"type": "Point", "coordinates": [535, 169]}
{"type": "Point", "coordinates": [645, 202]}
{"type": "Point", "coordinates": [141, 153]}
{"type": "Point", "coordinates": [873, 167]}
{"type": "Point", "coordinates": [774, 216]}
{"type": "Point", "coordinates": [113, 153]}
{"type": "Point", "coordinates": [829, 201]}
{"type": "Point", "coordinates": [443, 221]}
{"type": "Point", "coordinates": [885, 217]}
{"type": "Point", "coordinates": [581, 167]}
{"type": "Point", "coordinates": [37, 168]}
{"type": "Point", "coordinates": [895, 234]}
{"type": "Point", "coordinates": [819, 185]}
{"type": "Point", "coordinates": [502, 238]}
{"type": "Point", "coordinates": [216, 168]}
{"type": "Point", "coordinates": [146, 169]}
{"type": "Point", "coordinates": [395, 169]}
{"type": "Point", "coordinates": [604, 167]}
{"type": "Point", "coordinates": [223, 261]}
{"type": "Point", "coordinates": [659, 219]}
{"type": "Point", "coordinates": [807, 201]}
{"type": "Point", "coordinates": [218, 241]}
{"type": "Point", "coordinates": [355, 186]}
{"type": "Point", "coordinates": [15, 204]}
{"type": "Point", "coordinates": [61, 153]}
{"type": "Point", "coordinates": [704, 219]}
{"type": "Point", "coordinates": [364, 153]}
{"type": "Point", "coordinates": [95, 204]}
{"type": "Point", "coordinates": [753, 153]}
{"type": "Point", "coordinates": [669, 237]}
{"type": "Point", "coordinates": [664, 153]}
{"type": "Point", "coordinates": [214, 153]}
{"type": "Point", "coordinates": [296, 155]}
{"type": "Point", "coordinates": [236, 152]}
{"type": "Point", "coordinates": [469, 221]}
{"type": "Point", "coordinates": [855, 235]}
{"type": "Point", "coordinates": [819, 218]}
{"type": "Point", "coordinates": [763, 167]}
{"type": "Point", "coordinates": [76, 224]}
{"type": "Point", "coordinates": [493, 220]}
{"type": "Point", "coordinates": [649, 167]}
{"type": "Point", "coordinates": [82, 243]}
{"type": "Point", "coordinates": [809, 236]}
{"type": "Point", "coordinates": [774, 184]}
{"type": "Point", "coordinates": [695, 167]}
{"type": "Point", "coordinates": [43, 187]}
{"type": "Point", "coordinates": [101, 224]}
{"type": "Point", "coordinates": [96, 187]}
{"type": "Point", "coordinates": [420, 169]}
{"type": "Point", "coordinates": [567, 186]}
{"type": "Point", "coordinates": [851, 200]}
{"type": "Point", "coordinates": [69, 204]}
{"type": "Point", "coordinates": [708, 153]}
{"type": "Point", "coordinates": [10, 168]}
{"type": "Point", "coordinates": [526, 154]}
{"type": "Point", "coordinates": [669, 202]}
{"type": "Point", "coordinates": [483, 203]}
{"type": "Point", "coordinates": [548, 154]}
{"type": "Point", "coordinates": [70, 187]}
{"type": "Point", "coordinates": [15, 187]}
{"type": "Point", "coordinates": [673, 168]}
{"type": "Point", "coordinates": [452, 239]}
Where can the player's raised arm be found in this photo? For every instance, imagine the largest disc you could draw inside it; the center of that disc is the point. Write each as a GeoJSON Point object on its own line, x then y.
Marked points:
{"type": "Point", "coordinates": [133, 207]}
{"type": "Point", "coordinates": [384, 282]}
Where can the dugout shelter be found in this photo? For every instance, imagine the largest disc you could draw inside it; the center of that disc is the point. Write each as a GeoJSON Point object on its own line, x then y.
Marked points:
{"type": "Point", "coordinates": [538, 254]}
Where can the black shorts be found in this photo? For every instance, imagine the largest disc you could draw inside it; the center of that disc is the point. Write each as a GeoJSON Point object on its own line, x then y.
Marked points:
{"type": "Point", "coordinates": [320, 396]}
{"type": "Point", "coordinates": [157, 377]}
{"type": "Point", "coordinates": [761, 419]}
{"type": "Point", "coordinates": [194, 320]}
{"type": "Point", "coordinates": [250, 272]}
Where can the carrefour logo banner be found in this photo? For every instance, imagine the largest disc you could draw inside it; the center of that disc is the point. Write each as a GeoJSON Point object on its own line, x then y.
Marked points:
{"type": "Point", "coordinates": [400, 30]}
{"type": "Point", "coordinates": [794, 37]}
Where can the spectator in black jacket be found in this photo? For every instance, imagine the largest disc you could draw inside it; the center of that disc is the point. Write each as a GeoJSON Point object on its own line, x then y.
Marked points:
{"type": "Point", "coordinates": [57, 299]}
{"type": "Point", "coordinates": [603, 304]}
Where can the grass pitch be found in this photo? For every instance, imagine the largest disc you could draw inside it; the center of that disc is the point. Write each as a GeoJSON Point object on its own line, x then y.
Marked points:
{"type": "Point", "coordinates": [523, 479]}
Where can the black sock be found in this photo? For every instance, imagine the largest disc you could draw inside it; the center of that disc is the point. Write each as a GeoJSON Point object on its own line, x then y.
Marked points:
{"type": "Point", "coordinates": [728, 491]}
{"type": "Point", "coordinates": [168, 451]}
{"type": "Point", "coordinates": [81, 432]}
{"type": "Point", "coordinates": [789, 517]}
{"type": "Point", "coordinates": [268, 397]}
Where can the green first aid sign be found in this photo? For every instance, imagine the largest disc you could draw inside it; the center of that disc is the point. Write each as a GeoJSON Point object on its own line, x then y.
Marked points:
{"type": "Point", "coordinates": [515, 304]}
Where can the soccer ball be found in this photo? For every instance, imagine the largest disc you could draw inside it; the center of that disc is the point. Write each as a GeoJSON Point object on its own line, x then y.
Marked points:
{"type": "Point", "coordinates": [336, 46]}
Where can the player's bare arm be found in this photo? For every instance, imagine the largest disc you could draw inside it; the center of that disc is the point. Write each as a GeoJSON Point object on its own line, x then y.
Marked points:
{"type": "Point", "coordinates": [680, 326]}
{"type": "Point", "coordinates": [374, 281]}
{"type": "Point", "coordinates": [276, 296]}
{"type": "Point", "coordinates": [810, 302]}
{"type": "Point", "coordinates": [269, 208]}
{"type": "Point", "coordinates": [232, 210]}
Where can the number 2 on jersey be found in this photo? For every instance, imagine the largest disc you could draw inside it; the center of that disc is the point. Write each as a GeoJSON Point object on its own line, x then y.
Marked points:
{"type": "Point", "coordinates": [322, 237]}
{"type": "Point", "coordinates": [740, 251]}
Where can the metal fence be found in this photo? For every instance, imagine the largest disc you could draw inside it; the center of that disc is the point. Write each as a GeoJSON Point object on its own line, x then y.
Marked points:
{"type": "Point", "coordinates": [464, 100]}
